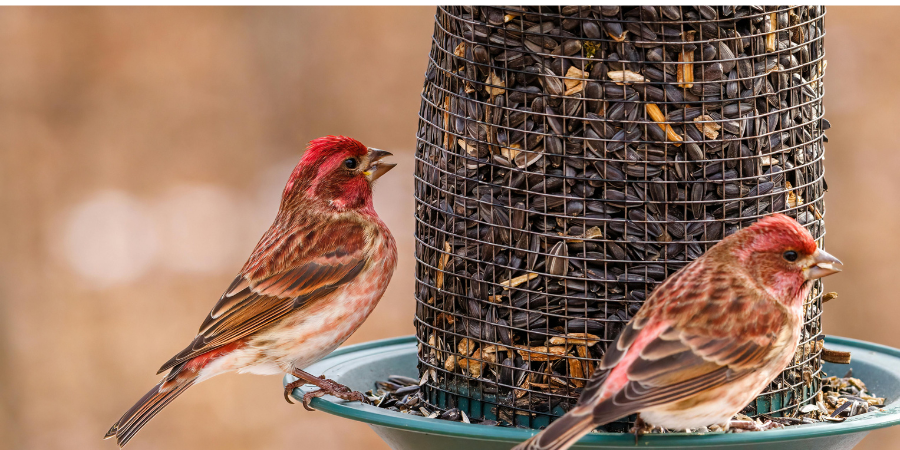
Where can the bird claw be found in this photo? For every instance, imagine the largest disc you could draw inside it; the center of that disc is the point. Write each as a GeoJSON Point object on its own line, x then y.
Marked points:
{"type": "Point", "coordinates": [326, 387]}
{"type": "Point", "coordinates": [344, 394]}
{"type": "Point", "coordinates": [307, 397]}
{"type": "Point", "coordinates": [640, 428]}
{"type": "Point", "coordinates": [289, 389]}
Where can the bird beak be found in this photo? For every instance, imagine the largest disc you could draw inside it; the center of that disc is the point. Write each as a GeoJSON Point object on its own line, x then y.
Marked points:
{"type": "Point", "coordinates": [823, 264]}
{"type": "Point", "coordinates": [377, 168]}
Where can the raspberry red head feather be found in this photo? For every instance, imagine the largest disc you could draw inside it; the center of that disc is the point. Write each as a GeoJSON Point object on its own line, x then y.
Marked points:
{"type": "Point", "coordinates": [337, 171]}
{"type": "Point", "coordinates": [783, 232]}
{"type": "Point", "coordinates": [320, 150]}
{"type": "Point", "coordinates": [780, 254]}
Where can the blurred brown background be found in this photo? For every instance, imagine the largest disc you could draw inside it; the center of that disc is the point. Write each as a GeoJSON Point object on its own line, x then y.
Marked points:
{"type": "Point", "coordinates": [142, 153]}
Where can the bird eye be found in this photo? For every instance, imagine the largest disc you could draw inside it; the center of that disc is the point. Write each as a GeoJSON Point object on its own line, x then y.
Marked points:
{"type": "Point", "coordinates": [790, 255]}
{"type": "Point", "coordinates": [350, 163]}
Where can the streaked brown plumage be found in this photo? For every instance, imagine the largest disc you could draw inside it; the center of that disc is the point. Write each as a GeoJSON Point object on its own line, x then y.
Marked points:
{"type": "Point", "coordinates": [708, 340]}
{"type": "Point", "coordinates": [310, 282]}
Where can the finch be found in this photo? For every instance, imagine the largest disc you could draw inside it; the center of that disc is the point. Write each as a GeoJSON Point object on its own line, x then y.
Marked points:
{"type": "Point", "coordinates": [708, 340]}
{"type": "Point", "coordinates": [311, 281]}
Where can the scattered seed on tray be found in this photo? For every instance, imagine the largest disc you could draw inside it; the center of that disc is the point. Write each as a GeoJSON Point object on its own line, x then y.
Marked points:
{"type": "Point", "coordinates": [841, 397]}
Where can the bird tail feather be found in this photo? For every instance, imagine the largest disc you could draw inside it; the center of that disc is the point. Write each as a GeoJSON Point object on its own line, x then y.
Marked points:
{"type": "Point", "coordinates": [561, 434]}
{"type": "Point", "coordinates": [148, 406]}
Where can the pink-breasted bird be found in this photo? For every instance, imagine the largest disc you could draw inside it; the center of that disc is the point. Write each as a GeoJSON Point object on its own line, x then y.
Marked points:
{"type": "Point", "coordinates": [311, 281]}
{"type": "Point", "coordinates": [708, 340]}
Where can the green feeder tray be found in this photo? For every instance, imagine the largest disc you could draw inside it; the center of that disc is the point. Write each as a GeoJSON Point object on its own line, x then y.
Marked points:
{"type": "Point", "coordinates": [359, 366]}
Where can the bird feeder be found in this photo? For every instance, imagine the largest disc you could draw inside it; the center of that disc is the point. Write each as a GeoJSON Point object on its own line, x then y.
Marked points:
{"type": "Point", "coordinates": [361, 366]}
{"type": "Point", "coordinates": [570, 158]}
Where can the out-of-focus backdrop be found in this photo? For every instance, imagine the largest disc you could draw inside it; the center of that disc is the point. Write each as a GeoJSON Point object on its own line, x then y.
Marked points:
{"type": "Point", "coordinates": [143, 152]}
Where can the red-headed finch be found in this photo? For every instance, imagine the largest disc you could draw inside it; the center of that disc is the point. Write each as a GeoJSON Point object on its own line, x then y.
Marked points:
{"type": "Point", "coordinates": [708, 340]}
{"type": "Point", "coordinates": [311, 281]}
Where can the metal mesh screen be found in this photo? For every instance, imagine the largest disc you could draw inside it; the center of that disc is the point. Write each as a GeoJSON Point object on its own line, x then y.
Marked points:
{"type": "Point", "coordinates": [570, 158]}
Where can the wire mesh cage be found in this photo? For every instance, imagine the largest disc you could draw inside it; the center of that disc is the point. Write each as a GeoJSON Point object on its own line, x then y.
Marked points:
{"type": "Point", "coordinates": [570, 158]}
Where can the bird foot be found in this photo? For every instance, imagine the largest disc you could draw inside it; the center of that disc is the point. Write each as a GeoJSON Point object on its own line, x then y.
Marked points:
{"type": "Point", "coordinates": [326, 387]}
{"type": "Point", "coordinates": [640, 428]}
{"type": "Point", "coordinates": [338, 390]}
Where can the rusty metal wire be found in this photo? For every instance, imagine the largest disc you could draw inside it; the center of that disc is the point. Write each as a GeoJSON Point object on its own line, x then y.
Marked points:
{"type": "Point", "coordinates": [566, 165]}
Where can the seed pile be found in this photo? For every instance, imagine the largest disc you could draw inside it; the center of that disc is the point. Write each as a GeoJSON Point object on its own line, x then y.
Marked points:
{"type": "Point", "coordinates": [569, 159]}
{"type": "Point", "coordinates": [839, 399]}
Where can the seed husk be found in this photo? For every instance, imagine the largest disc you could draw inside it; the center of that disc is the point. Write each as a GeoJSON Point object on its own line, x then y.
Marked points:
{"type": "Point", "coordinates": [518, 280]}
{"type": "Point", "coordinates": [707, 125]}
{"type": "Point", "coordinates": [654, 112]}
{"type": "Point", "coordinates": [685, 71]}
{"type": "Point", "coordinates": [770, 37]}
{"type": "Point", "coordinates": [542, 353]}
{"type": "Point", "coordinates": [835, 356]}
{"type": "Point", "coordinates": [496, 85]}
{"type": "Point", "coordinates": [625, 76]}
{"type": "Point", "coordinates": [580, 339]}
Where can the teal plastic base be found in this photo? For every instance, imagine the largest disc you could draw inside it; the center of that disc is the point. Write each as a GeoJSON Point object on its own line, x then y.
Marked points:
{"type": "Point", "coordinates": [483, 406]}
{"type": "Point", "coordinates": [359, 366]}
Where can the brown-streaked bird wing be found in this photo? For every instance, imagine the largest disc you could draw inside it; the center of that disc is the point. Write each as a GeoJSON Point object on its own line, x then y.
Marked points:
{"type": "Point", "coordinates": [707, 341]}
{"type": "Point", "coordinates": [283, 274]}
{"type": "Point", "coordinates": [666, 370]}
{"type": "Point", "coordinates": [675, 366]}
